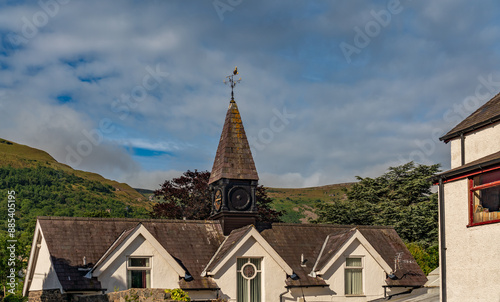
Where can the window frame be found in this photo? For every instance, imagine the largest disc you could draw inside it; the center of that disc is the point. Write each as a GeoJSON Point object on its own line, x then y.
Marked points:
{"type": "Point", "coordinates": [259, 272]}
{"type": "Point", "coordinates": [148, 268]}
{"type": "Point", "coordinates": [473, 188]}
{"type": "Point", "coordinates": [351, 268]}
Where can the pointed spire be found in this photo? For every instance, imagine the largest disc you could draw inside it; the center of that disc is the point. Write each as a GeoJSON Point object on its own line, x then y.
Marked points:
{"type": "Point", "coordinates": [233, 159]}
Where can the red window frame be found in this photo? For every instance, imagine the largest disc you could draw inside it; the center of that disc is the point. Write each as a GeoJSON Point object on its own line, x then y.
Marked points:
{"type": "Point", "coordinates": [473, 188]}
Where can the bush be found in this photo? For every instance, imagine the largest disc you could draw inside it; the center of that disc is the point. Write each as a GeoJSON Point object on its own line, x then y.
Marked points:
{"type": "Point", "coordinates": [178, 294]}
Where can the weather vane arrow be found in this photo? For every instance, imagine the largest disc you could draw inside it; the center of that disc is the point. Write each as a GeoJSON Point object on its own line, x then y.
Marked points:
{"type": "Point", "coordinates": [230, 80]}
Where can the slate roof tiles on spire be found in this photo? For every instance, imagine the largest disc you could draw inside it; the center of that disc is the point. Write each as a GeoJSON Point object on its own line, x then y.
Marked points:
{"type": "Point", "coordinates": [233, 159]}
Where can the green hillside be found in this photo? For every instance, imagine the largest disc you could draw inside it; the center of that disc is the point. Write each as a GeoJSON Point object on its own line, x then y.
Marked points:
{"type": "Point", "coordinates": [21, 156]}
{"type": "Point", "coordinates": [41, 186]}
{"type": "Point", "coordinates": [300, 204]}
{"type": "Point", "coordinates": [45, 187]}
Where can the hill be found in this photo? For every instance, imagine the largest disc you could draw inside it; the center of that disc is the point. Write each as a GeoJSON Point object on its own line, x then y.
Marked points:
{"type": "Point", "coordinates": [300, 204]}
{"type": "Point", "coordinates": [21, 156]}
{"type": "Point", "coordinates": [45, 187]}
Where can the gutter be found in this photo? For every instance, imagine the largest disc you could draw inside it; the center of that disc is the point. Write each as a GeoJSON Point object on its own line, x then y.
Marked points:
{"type": "Point", "coordinates": [397, 294]}
{"type": "Point", "coordinates": [446, 138]}
{"type": "Point", "coordinates": [442, 240]}
{"type": "Point", "coordinates": [465, 172]}
{"type": "Point", "coordinates": [462, 148]}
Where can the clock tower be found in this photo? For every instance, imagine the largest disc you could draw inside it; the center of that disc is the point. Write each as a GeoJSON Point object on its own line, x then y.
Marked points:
{"type": "Point", "coordinates": [234, 178]}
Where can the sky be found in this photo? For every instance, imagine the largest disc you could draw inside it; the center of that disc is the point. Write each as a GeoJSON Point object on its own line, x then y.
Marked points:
{"type": "Point", "coordinates": [330, 90]}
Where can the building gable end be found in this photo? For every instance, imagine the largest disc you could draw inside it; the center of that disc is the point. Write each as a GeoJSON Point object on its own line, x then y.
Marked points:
{"type": "Point", "coordinates": [39, 245]}
{"type": "Point", "coordinates": [251, 233]}
{"type": "Point", "coordinates": [140, 230]}
{"type": "Point", "coordinates": [365, 243]}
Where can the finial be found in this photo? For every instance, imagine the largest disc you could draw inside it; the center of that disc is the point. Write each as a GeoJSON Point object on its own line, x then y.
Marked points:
{"type": "Point", "coordinates": [232, 82]}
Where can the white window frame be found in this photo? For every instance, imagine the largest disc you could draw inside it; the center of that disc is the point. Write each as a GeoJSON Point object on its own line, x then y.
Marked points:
{"type": "Point", "coordinates": [362, 268]}
{"type": "Point", "coordinates": [247, 280]}
{"type": "Point", "coordinates": [140, 268]}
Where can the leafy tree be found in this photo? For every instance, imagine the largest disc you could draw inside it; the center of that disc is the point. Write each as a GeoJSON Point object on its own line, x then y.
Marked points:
{"type": "Point", "coordinates": [185, 196]}
{"type": "Point", "coordinates": [427, 259]}
{"type": "Point", "coordinates": [188, 196]}
{"type": "Point", "coordinates": [402, 198]}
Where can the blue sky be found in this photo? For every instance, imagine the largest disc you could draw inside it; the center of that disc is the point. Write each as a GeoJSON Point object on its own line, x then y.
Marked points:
{"type": "Point", "coordinates": [134, 90]}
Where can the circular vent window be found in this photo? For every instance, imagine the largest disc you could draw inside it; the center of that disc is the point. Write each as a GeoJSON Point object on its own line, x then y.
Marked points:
{"type": "Point", "coordinates": [249, 271]}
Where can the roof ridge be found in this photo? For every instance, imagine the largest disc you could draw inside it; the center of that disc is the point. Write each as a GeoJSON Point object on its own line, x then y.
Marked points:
{"type": "Point", "coordinates": [139, 220]}
{"type": "Point", "coordinates": [340, 226]}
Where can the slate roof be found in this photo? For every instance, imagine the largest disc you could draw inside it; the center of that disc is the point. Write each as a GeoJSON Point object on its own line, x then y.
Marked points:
{"type": "Point", "coordinates": [292, 240]}
{"type": "Point", "coordinates": [191, 243]}
{"type": "Point", "coordinates": [487, 114]}
{"type": "Point", "coordinates": [196, 244]}
{"type": "Point", "coordinates": [233, 159]}
{"type": "Point", "coordinates": [333, 243]}
{"type": "Point", "coordinates": [231, 240]}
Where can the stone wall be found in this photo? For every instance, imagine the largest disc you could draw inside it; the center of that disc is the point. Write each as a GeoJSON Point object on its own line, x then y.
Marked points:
{"type": "Point", "coordinates": [130, 295]}
{"type": "Point", "coordinates": [49, 295]}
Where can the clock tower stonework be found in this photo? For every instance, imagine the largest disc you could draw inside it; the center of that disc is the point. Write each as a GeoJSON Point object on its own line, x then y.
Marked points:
{"type": "Point", "coordinates": [234, 178]}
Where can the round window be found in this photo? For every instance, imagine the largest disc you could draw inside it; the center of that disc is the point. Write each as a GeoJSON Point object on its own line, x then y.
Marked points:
{"type": "Point", "coordinates": [249, 271]}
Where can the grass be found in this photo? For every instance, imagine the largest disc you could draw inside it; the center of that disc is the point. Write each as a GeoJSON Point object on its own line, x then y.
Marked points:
{"type": "Point", "coordinates": [21, 156]}
{"type": "Point", "coordinates": [300, 204]}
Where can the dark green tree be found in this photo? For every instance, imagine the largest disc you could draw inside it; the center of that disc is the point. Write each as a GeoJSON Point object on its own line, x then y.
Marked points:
{"type": "Point", "coordinates": [401, 197]}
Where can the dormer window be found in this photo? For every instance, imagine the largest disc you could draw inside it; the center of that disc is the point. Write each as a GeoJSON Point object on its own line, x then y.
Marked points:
{"type": "Point", "coordinates": [484, 198]}
{"type": "Point", "coordinates": [139, 272]}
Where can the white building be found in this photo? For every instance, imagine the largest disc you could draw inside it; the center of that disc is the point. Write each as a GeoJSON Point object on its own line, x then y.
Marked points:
{"type": "Point", "coordinates": [470, 208]}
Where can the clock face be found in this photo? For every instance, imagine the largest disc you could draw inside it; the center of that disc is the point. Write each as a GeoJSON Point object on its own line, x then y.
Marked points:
{"type": "Point", "coordinates": [240, 198]}
{"type": "Point", "coordinates": [218, 200]}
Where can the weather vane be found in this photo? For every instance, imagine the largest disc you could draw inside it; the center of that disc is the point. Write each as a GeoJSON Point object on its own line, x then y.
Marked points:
{"type": "Point", "coordinates": [230, 80]}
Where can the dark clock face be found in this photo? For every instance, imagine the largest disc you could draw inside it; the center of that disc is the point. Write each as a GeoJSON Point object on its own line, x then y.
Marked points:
{"type": "Point", "coordinates": [218, 200]}
{"type": "Point", "coordinates": [240, 198]}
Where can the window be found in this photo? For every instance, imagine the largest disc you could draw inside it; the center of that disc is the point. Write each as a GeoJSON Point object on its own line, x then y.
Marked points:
{"type": "Point", "coordinates": [353, 276]}
{"type": "Point", "coordinates": [139, 272]}
{"type": "Point", "coordinates": [248, 271]}
{"type": "Point", "coordinates": [485, 198]}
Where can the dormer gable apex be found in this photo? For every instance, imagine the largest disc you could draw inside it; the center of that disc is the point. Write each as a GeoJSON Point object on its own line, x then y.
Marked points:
{"type": "Point", "coordinates": [335, 246]}
{"type": "Point", "coordinates": [123, 241]}
{"type": "Point", "coordinates": [234, 242]}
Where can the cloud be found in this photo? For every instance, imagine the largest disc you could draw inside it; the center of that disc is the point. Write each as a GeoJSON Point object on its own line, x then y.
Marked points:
{"type": "Point", "coordinates": [92, 60]}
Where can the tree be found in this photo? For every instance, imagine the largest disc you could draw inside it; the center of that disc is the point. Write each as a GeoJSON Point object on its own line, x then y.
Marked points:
{"type": "Point", "coordinates": [401, 198]}
{"type": "Point", "coordinates": [188, 196]}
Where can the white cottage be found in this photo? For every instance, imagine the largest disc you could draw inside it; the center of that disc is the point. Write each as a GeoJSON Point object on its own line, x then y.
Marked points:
{"type": "Point", "coordinates": [233, 256]}
{"type": "Point", "coordinates": [278, 262]}
{"type": "Point", "coordinates": [469, 196]}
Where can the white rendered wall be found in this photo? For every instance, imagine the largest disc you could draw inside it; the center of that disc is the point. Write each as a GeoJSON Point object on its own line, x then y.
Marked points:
{"type": "Point", "coordinates": [44, 276]}
{"type": "Point", "coordinates": [162, 274]}
{"type": "Point", "coordinates": [472, 267]}
{"type": "Point", "coordinates": [477, 145]}
{"type": "Point", "coordinates": [373, 275]}
{"type": "Point", "coordinates": [273, 276]}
